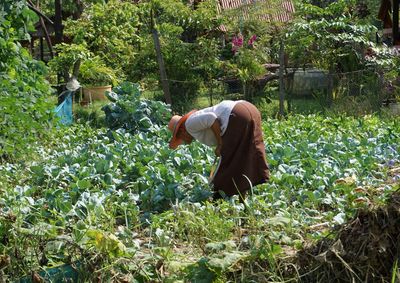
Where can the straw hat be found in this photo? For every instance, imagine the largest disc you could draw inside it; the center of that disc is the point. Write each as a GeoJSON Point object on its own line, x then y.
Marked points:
{"type": "Point", "coordinates": [174, 125]}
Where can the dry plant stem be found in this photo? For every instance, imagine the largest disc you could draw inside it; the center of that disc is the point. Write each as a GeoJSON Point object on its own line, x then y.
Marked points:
{"type": "Point", "coordinates": [346, 265]}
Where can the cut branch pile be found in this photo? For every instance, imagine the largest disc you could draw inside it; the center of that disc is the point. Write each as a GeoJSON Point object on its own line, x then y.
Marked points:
{"type": "Point", "coordinates": [366, 249]}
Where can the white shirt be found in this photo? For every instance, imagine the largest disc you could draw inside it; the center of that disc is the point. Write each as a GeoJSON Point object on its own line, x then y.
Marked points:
{"type": "Point", "coordinates": [198, 125]}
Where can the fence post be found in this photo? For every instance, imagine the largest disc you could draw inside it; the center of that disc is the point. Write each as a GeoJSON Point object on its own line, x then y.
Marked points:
{"type": "Point", "coordinates": [281, 82]}
{"type": "Point", "coordinates": [330, 89]}
{"type": "Point", "coordinates": [160, 59]}
{"type": "Point", "coordinates": [211, 93]}
{"type": "Point", "coordinates": [289, 89]}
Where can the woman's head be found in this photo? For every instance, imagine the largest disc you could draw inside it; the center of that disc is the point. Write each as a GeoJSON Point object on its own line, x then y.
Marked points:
{"type": "Point", "coordinates": [179, 134]}
{"type": "Point", "coordinates": [173, 122]}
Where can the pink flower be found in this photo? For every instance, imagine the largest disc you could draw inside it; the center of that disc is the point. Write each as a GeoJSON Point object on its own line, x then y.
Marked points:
{"type": "Point", "coordinates": [237, 41]}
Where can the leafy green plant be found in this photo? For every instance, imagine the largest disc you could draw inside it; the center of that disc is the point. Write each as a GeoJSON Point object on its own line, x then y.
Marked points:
{"type": "Point", "coordinates": [93, 72]}
{"type": "Point", "coordinates": [248, 69]}
{"type": "Point", "coordinates": [76, 60]}
{"type": "Point", "coordinates": [127, 110]}
{"type": "Point", "coordinates": [90, 115]}
{"type": "Point", "coordinates": [195, 225]}
{"type": "Point", "coordinates": [190, 54]}
{"type": "Point", "coordinates": [331, 38]}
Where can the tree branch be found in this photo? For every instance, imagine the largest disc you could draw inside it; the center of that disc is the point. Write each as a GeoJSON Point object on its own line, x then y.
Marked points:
{"type": "Point", "coordinates": [33, 8]}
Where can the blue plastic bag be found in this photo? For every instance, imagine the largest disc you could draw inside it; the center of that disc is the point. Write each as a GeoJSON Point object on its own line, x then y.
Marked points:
{"type": "Point", "coordinates": [64, 110]}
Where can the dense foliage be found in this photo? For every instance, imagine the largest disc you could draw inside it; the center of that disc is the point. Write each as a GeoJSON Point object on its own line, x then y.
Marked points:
{"type": "Point", "coordinates": [342, 43]}
{"type": "Point", "coordinates": [190, 36]}
{"type": "Point", "coordinates": [332, 38]}
{"type": "Point", "coordinates": [25, 113]}
{"type": "Point", "coordinates": [188, 44]}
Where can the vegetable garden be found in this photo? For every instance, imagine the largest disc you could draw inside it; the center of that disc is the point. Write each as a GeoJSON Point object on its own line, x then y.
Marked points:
{"type": "Point", "coordinates": [117, 204]}
{"type": "Point", "coordinates": [112, 203]}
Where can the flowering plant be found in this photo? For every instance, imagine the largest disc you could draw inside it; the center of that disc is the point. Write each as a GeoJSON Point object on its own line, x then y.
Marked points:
{"type": "Point", "coordinates": [237, 42]}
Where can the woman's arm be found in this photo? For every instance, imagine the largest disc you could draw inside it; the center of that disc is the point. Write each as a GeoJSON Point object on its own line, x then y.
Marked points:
{"type": "Point", "coordinates": [216, 128]}
{"type": "Point", "coordinates": [204, 122]}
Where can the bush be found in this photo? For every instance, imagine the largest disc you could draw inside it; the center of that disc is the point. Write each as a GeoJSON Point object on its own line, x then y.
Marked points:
{"type": "Point", "coordinates": [25, 112]}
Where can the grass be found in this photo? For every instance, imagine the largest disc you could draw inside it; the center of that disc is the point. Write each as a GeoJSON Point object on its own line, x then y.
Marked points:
{"type": "Point", "coordinates": [90, 114]}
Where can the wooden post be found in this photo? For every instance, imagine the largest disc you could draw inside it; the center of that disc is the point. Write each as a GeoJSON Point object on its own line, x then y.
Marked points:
{"type": "Point", "coordinates": [58, 27]}
{"type": "Point", "coordinates": [396, 35]}
{"type": "Point", "coordinates": [160, 59]}
{"type": "Point", "coordinates": [41, 49]}
{"type": "Point", "coordinates": [32, 47]}
{"type": "Point", "coordinates": [58, 32]}
{"type": "Point", "coordinates": [47, 36]}
{"type": "Point", "coordinates": [281, 81]}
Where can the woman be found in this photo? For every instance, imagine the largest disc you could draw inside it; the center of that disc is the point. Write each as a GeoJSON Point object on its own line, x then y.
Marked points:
{"type": "Point", "coordinates": [234, 128]}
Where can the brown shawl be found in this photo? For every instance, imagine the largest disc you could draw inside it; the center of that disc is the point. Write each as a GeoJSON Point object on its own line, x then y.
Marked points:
{"type": "Point", "coordinates": [243, 160]}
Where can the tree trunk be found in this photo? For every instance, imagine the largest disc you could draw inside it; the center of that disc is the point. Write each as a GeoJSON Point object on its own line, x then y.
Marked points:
{"type": "Point", "coordinates": [58, 27]}
{"type": "Point", "coordinates": [163, 73]}
{"type": "Point", "coordinates": [396, 35]}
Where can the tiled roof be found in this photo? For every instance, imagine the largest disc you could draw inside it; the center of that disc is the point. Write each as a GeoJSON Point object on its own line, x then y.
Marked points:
{"type": "Point", "coordinates": [283, 12]}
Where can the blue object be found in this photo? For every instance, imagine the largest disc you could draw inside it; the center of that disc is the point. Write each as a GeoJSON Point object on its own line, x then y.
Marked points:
{"type": "Point", "coordinates": [63, 273]}
{"type": "Point", "coordinates": [64, 110]}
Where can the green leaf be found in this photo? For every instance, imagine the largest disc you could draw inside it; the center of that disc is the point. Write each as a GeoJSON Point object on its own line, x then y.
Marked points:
{"type": "Point", "coordinates": [83, 184]}
{"type": "Point", "coordinates": [226, 261]}
{"type": "Point", "coordinates": [279, 221]}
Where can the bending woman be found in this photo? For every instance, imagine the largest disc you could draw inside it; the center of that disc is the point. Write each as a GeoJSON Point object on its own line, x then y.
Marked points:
{"type": "Point", "coordinates": [234, 128]}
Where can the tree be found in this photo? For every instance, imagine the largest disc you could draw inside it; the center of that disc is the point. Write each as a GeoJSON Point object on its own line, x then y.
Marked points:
{"type": "Point", "coordinates": [109, 30]}
{"type": "Point", "coordinates": [337, 39]}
